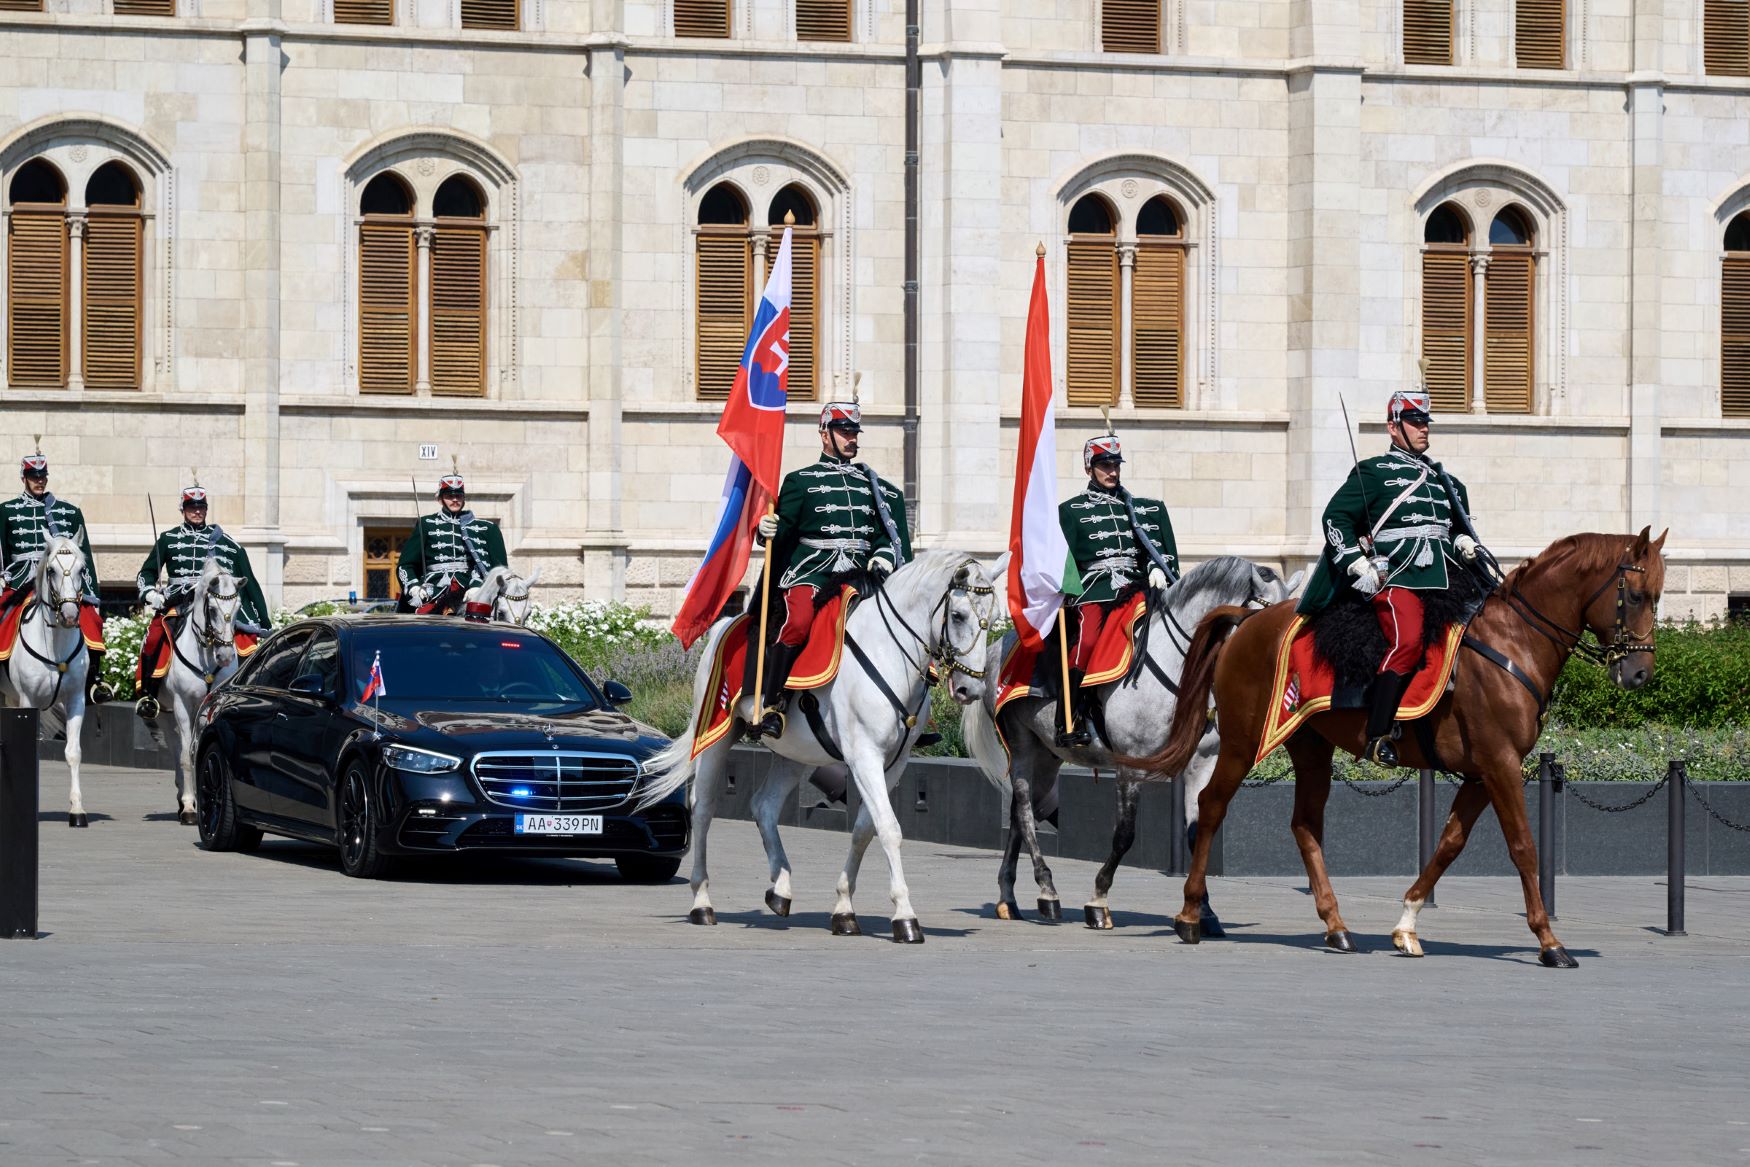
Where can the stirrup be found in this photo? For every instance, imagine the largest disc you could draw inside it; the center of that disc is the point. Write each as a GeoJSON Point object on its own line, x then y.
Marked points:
{"type": "Point", "coordinates": [770, 724]}
{"type": "Point", "coordinates": [148, 708]}
{"type": "Point", "coordinates": [1078, 736]}
{"type": "Point", "coordinates": [100, 692]}
{"type": "Point", "coordinates": [1381, 752]}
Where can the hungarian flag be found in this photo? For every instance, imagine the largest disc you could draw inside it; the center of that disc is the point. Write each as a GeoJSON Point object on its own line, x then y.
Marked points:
{"type": "Point", "coordinates": [753, 426]}
{"type": "Point", "coordinates": [1040, 570]}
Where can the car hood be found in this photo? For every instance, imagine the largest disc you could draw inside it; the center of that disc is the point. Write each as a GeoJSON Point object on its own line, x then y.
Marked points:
{"type": "Point", "coordinates": [469, 730]}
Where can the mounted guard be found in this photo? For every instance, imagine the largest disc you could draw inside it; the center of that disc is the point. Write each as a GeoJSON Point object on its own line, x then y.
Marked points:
{"type": "Point", "coordinates": [181, 555]}
{"type": "Point", "coordinates": [27, 523]}
{"type": "Point", "coordinates": [1389, 533]}
{"type": "Point", "coordinates": [1119, 542]}
{"type": "Point", "coordinates": [449, 555]}
{"type": "Point", "coordinates": [835, 519]}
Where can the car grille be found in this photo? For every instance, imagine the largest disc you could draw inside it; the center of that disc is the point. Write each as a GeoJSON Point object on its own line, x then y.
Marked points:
{"type": "Point", "coordinates": [556, 781]}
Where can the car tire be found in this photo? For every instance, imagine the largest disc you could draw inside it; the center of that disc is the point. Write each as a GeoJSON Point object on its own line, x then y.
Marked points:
{"type": "Point", "coordinates": [647, 868]}
{"type": "Point", "coordinates": [216, 808]}
{"type": "Point", "coordinates": [359, 854]}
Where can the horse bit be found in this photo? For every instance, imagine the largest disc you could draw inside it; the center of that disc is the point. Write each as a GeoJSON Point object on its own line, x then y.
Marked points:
{"type": "Point", "coordinates": [947, 654]}
{"type": "Point", "coordinates": [1605, 655]}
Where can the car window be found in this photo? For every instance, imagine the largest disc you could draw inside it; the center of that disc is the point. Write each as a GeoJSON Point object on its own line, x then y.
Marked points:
{"type": "Point", "coordinates": [322, 660]}
{"type": "Point", "coordinates": [280, 661]}
{"type": "Point", "coordinates": [468, 663]}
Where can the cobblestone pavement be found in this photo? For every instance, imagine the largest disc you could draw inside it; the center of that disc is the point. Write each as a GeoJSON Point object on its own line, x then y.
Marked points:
{"type": "Point", "coordinates": [192, 1008]}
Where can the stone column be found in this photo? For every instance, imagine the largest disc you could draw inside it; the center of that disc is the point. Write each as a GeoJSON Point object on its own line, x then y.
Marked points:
{"type": "Point", "coordinates": [263, 65]}
{"type": "Point", "coordinates": [422, 306]}
{"type": "Point", "coordinates": [1479, 269]}
{"type": "Point", "coordinates": [1126, 326]}
{"type": "Point", "coordinates": [1646, 122]}
{"type": "Point", "coordinates": [76, 303]}
{"type": "Point", "coordinates": [604, 548]}
{"type": "Point", "coordinates": [761, 241]}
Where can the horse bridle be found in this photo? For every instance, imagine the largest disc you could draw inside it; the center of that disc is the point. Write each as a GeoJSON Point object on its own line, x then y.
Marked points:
{"type": "Point", "coordinates": [1602, 654]}
{"type": "Point", "coordinates": [946, 653]}
{"type": "Point", "coordinates": [54, 621]}
{"type": "Point", "coordinates": [209, 638]}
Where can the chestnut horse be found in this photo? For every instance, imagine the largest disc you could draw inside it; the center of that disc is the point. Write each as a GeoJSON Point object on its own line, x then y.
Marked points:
{"type": "Point", "coordinates": [1482, 730]}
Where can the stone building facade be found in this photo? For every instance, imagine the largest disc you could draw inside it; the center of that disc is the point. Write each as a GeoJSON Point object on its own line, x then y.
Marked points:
{"type": "Point", "coordinates": [1303, 159]}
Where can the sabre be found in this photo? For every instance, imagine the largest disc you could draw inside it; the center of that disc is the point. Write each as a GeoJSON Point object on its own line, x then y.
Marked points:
{"type": "Point", "coordinates": [1365, 542]}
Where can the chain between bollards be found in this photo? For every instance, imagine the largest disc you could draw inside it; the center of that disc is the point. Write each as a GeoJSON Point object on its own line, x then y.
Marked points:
{"type": "Point", "coordinates": [18, 824]}
{"type": "Point", "coordinates": [1676, 778]}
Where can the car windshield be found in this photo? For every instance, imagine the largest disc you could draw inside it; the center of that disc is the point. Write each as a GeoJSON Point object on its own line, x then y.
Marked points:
{"type": "Point", "coordinates": [465, 664]}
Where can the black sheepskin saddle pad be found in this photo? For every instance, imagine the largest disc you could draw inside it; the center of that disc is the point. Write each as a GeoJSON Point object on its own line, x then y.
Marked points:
{"type": "Point", "coordinates": [1347, 635]}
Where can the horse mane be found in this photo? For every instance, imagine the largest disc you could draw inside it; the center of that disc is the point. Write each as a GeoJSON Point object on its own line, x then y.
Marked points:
{"type": "Point", "coordinates": [1586, 552]}
{"type": "Point", "coordinates": [492, 585]}
{"type": "Point", "coordinates": [1222, 575]}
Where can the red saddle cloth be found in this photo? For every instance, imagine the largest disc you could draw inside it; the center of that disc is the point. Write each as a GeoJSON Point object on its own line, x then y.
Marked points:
{"type": "Point", "coordinates": [12, 616]}
{"type": "Point", "coordinates": [815, 668]}
{"type": "Point", "coordinates": [1303, 683]}
{"type": "Point", "coordinates": [1111, 660]}
{"type": "Point", "coordinates": [159, 647]}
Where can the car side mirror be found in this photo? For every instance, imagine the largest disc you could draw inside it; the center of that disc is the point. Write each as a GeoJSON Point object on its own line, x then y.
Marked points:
{"type": "Point", "coordinates": [310, 685]}
{"type": "Point", "coordinates": [616, 693]}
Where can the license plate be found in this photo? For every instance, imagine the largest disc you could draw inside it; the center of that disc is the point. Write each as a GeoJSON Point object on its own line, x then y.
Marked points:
{"type": "Point", "coordinates": [558, 824]}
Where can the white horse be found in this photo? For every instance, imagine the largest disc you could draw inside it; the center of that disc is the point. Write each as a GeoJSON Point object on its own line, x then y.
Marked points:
{"type": "Point", "coordinates": [48, 666]}
{"type": "Point", "coordinates": [508, 594]}
{"type": "Point", "coordinates": [937, 607]}
{"type": "Point", "coordinates": [203, 654]}
{"type": "Point", "coordinates": [1132, 721]}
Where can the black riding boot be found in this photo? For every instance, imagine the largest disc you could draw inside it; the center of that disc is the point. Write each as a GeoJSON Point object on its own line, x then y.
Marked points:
{"type": "Point", "coordinates": [1388, 690]}
{"type": "Point", "coordinates": [97, 690]}
{"type": "Point", "coordinates": [779, 658]}
{"type": "Point", "coordinates": [1077, 734]}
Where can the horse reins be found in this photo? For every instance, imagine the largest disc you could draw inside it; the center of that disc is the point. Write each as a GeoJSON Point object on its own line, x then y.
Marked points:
{"type": "Point", "coordinates": [207, 638]}
{"type": "Point", "coordinates": [1603, 654]}
{"type": "Point", "coordinates": [60, 666]}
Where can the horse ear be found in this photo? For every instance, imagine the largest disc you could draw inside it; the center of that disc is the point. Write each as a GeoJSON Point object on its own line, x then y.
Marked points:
{"type": "Point", "coordinates": [1659, 543]}
{"type": "Point", "coordinates": [999, 568]}
{"type": "Point", "coordinates": [1642, 541]}
{"type": "Point", "coordinates": [1293, 584]}
{"type": "Point", "coordinates": [533, 576]}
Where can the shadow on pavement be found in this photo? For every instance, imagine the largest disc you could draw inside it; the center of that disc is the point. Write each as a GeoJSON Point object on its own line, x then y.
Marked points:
{"type": "Point", "coordinates": [60, 816]}
{"type": "Point", "coordinates": [457, 870]}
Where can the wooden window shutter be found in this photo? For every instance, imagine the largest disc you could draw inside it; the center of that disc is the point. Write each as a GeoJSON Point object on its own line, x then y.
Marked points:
{"type": "Point", "coordinates": [1735, 337]}
{"type": "Point", "coordinates": [145, 7]}
{"type": "Point", "coordinates": [823, 20]}
{"type": "Point", "coordinates": [387, 320]}
{"type": "Point", "coordinates": [1130, 26]}
{"type": "Point", "coordinates": [498, 15]}
{"type": "Point", "coordinates": [803, 383]}
{"type": "Point", "coordinates": [1091, 359]}
{"type": "Point", "coordinates": [111, 301]}
{"type": "Point", "coordinates": [458, 310]}
{"type": "Point", "coordinates": [724, 311]}
{"type": "Point", "coordinates": [1507, 332]}
{"type": "Point", "coordinates": [1428, 32]}
{"type": "Point", "coordinates": [701, 18]}
{"type": "Point", "coordinates": [1446, 326]}
{"type": "Point", "coordinates": [364, 12]}
{"type": "Point", "coordinates": [36, 311]}
{"type": "Point", "coordinates": [1726, 38]}
{"type": "Point", "coordinates": [1157, 327]}
{"type": "Point", "coordinates": [21, 5]}
{"type": "Point", "coordinates": [1540, 33]}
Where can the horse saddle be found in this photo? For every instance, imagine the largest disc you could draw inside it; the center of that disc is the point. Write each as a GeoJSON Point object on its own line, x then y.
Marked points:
{"type": "Point", "coordinates": [1039, 673]}
{"type": "Point", "coordinates": [1346, 636]}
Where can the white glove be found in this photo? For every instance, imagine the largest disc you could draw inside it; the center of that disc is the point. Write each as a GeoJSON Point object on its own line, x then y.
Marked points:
{"type": "Point", "coordinates": [416, 595]}
{"type": "Point", "coordinates": [1466, 548]}
{"type": "Point", "coordinates": [1366, 577]}
{"type": "Point", "coordinates": [1157, 579]}
{"type": "Point", "coordinates": [768, 526]}
{"type": "Point", "coordinates": [880, 568]}
{"type": "Point", "coordinates": [154, 599]}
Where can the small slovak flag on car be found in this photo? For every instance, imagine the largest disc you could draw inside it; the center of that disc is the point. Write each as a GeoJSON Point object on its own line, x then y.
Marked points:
{"type": "Point", "coordinates": [375, 687]}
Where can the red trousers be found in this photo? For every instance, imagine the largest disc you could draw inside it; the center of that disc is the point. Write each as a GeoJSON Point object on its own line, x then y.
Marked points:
{"type": "Point", "coordinates": [1090, 620]}
{"type": "Point", "coordinates": [90, 623]}
{"type": "Point", "coordinates": [798, 615]}
{"type": "Point", "coordinates": [1399, 611]}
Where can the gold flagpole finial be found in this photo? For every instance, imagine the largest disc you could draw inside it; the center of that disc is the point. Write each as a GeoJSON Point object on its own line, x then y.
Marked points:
{"type": "Point", "coordinates": [1040, 250]}
{"type": "Point", "coordinates": [789, 218]}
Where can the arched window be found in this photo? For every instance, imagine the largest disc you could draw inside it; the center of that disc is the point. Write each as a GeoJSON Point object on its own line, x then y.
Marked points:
{"type": "Point", "coordinates": [36, 278]}
{"type": "Point", "coordinates": [388, 307]}
{"type": "Point", "coordinates": [1540, 33]}
{"type": "Point", "coordinates": [1157, 307]}
{"type": "Point", "coordinates": [1091, 351]}
{"type": "Point", "coordinates": [113, 273]}
{"type": "Point", "coordinates": [793, 201]}
{"type": "Point", "coordinates": [1735, 319]}
{"type": "Point", "coordinates": [1509, 297]}
{"type": "Point", "coordinates": [458, 288]}
{"type": "Point", "coordinates": [1446, 308]}
{"type": "Point", "coordinates": [724, 303]}
{"type": "Point", "coordinates": [1427, 32]}
{"type": "Point", "coordinates": [1726, 38]}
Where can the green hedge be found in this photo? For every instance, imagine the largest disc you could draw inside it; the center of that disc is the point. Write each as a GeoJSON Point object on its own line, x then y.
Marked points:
{"type": "Point", "coordinates": [1701, 680]}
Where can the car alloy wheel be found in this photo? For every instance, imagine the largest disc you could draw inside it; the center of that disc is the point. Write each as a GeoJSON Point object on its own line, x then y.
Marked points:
{"type": "Point", "coordinates": [216, 808]}
{"type": "Point", "coordinates": [359, 856]}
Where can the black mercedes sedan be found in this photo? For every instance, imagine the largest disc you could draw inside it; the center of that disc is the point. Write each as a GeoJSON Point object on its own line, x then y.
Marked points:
{"type": "Point", "coordinates": [390, 736]}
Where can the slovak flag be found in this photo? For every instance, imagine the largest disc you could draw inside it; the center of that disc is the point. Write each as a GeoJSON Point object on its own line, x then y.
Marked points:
{"type": "Point", "coordinates": [375, 687]}
{"type": "Point", "coordinates": [753, 426]}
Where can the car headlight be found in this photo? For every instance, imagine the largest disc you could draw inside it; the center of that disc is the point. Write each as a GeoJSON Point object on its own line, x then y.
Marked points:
{"type": "Point", "coordinates": [419, 761]}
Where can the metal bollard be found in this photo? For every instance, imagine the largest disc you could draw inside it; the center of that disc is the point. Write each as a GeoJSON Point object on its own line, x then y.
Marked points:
{"type": "Point", "coordinates": [1426, 819]}
{"type": "Point", "coordinates": [1675, 777]}
{"type": "Point", "coordinates": [1549, 782]}
{"type": "Point", "coordinates": [18, 825]}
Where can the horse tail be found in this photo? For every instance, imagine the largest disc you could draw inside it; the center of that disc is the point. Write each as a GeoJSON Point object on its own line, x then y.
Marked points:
{"type": "Point", "coordinates": [1191, 718]}
{"type": "Point", "coordinates": [979, 730]}
{"type": "Point", "coordinates": [672, 766]}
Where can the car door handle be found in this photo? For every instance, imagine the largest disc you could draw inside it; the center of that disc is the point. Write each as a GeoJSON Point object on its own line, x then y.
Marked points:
{"type": "Point", "coordinates": [281, 715]}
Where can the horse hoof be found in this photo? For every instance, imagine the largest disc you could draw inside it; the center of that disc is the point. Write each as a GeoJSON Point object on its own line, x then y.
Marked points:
{"type": "Point", "coordinates": [780, 905]}
{"type": "Point", "coordinates": [1340, 941]}
{"type": "Point", "coordinates": [188, 819]}
{"type": "Point", "coordinates": [1557, 957]}
{"type": "Point", "coordinates": [1051, 910]}
{"type": "Point", "coordinates": [702, 916]}
{"type": "Point", "coordinates": [1097, 917]}
{"type": "Point", "coordinates": [1009, 910]}
{"type": "Point", "coordinates": [1210, 923]}
{"type": "Point", "coordinates": [1406, 943]}
{"type": "Point", "coordinates": [78, 820]}
{"type": "Point", "coordinates": [907, 932]}
{"type": "Point", "coordinates": [1189, 931]}
{"type": "Point", "coordinates": [845, 924]}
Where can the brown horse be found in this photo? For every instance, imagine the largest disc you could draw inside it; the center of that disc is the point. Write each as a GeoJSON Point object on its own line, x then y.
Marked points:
{"type": "Point", "coordinates": [1482, 729]}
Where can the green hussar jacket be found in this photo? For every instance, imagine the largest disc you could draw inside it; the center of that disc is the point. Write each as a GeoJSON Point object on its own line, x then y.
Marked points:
{"type": "Point", "coordinates": [26, 525]}
{"type": "Point", "coordinates": [828, 524]}
{"type": "Point", "coordinates": [1104, 545]}
{"type": "Point", "coordinates": [444, 549]}
{"type": "Point", "coordinates": [181, 554]}
{"type": "Point", "coordinates": [1398, 500]}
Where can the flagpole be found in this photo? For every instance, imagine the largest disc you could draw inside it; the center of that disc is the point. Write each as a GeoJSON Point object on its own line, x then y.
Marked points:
{"type": "Point", "coordinates": [759, 660]}
{"type": "Point", "coordinates": [1063, 653]}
